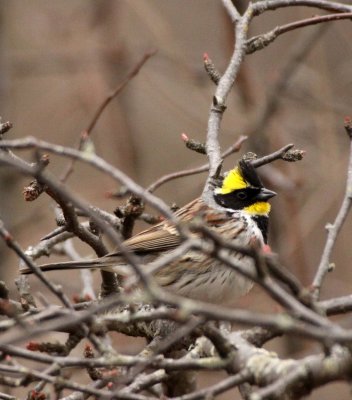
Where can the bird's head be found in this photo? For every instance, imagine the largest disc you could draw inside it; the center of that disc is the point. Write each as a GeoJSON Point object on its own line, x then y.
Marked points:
{"type": "Point", "coordinates": [242, 189]}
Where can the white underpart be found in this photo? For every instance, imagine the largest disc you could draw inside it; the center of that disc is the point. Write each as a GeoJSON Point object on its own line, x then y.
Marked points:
{"type": "Point", "coordinates": [223, 284]}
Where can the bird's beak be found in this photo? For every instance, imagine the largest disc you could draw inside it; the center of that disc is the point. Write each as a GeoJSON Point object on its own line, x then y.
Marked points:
{"type": "Point", "coordinates": [265, 194]}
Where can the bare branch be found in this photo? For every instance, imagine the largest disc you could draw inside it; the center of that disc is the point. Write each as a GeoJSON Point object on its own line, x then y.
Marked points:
{"type": "Point", "coordinates": [218, 105]}
{"type": "Point", "coordinates": [8, 239]}
{"type": "Point", "coordinates": [134, 71]}
{"type": "Point", "coordinates": [325, 265]}
{"type": "Point", "coordinates": [192, 171]}
{"type": "Point", "coordinates": [285, 153]}
{"type": "Point", "coordinates": [261, 6]}
{"type": "Point", "coordinates": [231, 9]}
{"type": "Point", "coordinates": [85, 134]}
{"type": "Point", "coordinates": [261, 41]}
{"type": "Point", "coordinates": [93, 160]}
{"type": "Point", "coordinates": [183, 335]}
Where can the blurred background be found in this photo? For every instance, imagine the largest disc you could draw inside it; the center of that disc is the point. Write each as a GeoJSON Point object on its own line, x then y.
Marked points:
{"type": "Point", "coordinates": [59, 61]}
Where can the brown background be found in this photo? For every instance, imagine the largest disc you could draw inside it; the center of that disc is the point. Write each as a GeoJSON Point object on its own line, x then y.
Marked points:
{"type": "Point", "coordinates": [58, 61]}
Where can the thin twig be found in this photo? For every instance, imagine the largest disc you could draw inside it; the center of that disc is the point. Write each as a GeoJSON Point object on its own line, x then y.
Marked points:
{"type": "Point", "coordinates": [338, 305]}
{"type": "Point", "coordinates": [281, 154]}
{"type": "Point", "coordinates": [85, 134]}
{"type": "Point", "coordinates": [313, 21]}
{"type": "Point", "coordinates": [261, 41]}
{"type": "Point", "coordinates": [91, 159]}
{"type": "Point", "coordinates": [134, 71]}
{"type": "Point", "coordinates": [56, 290]}
{"type": "Point", "coordinates": [261, 6]}
{"type": "Point", "coordinates": [74, 200]}
{"type": "Point", "coordinates": [220, 387]}
{"type": "Point", "coordinates": [333, 229]}
{"type": "Point", "coordinates": [234, 148]}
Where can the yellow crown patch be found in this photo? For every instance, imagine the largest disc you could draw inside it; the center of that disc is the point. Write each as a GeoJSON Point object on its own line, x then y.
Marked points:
{"type": "Point", "coordinates": [233, 181]}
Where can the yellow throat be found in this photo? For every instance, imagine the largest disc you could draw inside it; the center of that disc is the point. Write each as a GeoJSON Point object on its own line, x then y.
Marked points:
{"type": "Point", "coordinates": [258, 208]}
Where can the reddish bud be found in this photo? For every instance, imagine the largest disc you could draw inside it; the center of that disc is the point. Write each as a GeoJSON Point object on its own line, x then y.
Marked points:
{"type": "Point", "coordinates": [76, 299]}
{"type": "Point", "coordinates": [184, 137]}
{"type": "Point", "coordinates": [110, 373]}
{"type": "Point", "coordinates": [32, 346]}
{"type": "Point", "coordinates": [267, 249]}
{"type": "Point", "coordinates": [7, 237]}
{"type": "Point", "coordinates": [110, 385]}
{"type": "Point", "coordinates": [34, 395]}
{"type": "Point", "coordinates": [88, 347]}
{"type": "Point", "coordinates": [205, 57]}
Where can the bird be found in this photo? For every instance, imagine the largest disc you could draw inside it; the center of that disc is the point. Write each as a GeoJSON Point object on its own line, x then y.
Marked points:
{"type": "Point", "coordinates": [239, 213]}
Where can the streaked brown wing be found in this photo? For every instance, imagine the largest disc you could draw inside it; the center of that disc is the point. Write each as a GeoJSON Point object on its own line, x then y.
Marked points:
{"type": "Point", "coordinates": [154, 240]}
{"type": "Point", "coordinates": [164, 236]}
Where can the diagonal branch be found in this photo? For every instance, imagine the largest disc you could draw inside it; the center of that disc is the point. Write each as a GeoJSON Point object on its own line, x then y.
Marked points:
{"type": "Point", "coordinates": [135, 70]}
{"type": "Point", "coordinates": [261, 41]}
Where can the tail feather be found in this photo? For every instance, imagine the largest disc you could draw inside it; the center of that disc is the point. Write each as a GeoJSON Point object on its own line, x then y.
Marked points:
{"type": "Point", "coordinates": [100, 263]}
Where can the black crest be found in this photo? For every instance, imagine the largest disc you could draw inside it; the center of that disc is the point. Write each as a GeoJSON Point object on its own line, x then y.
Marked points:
{"type": "Point", "coordinates": [250, 174]}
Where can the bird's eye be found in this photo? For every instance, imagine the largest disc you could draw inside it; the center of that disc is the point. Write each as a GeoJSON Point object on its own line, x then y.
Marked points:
{"type": "Point", "coordinates": [242, 195]}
